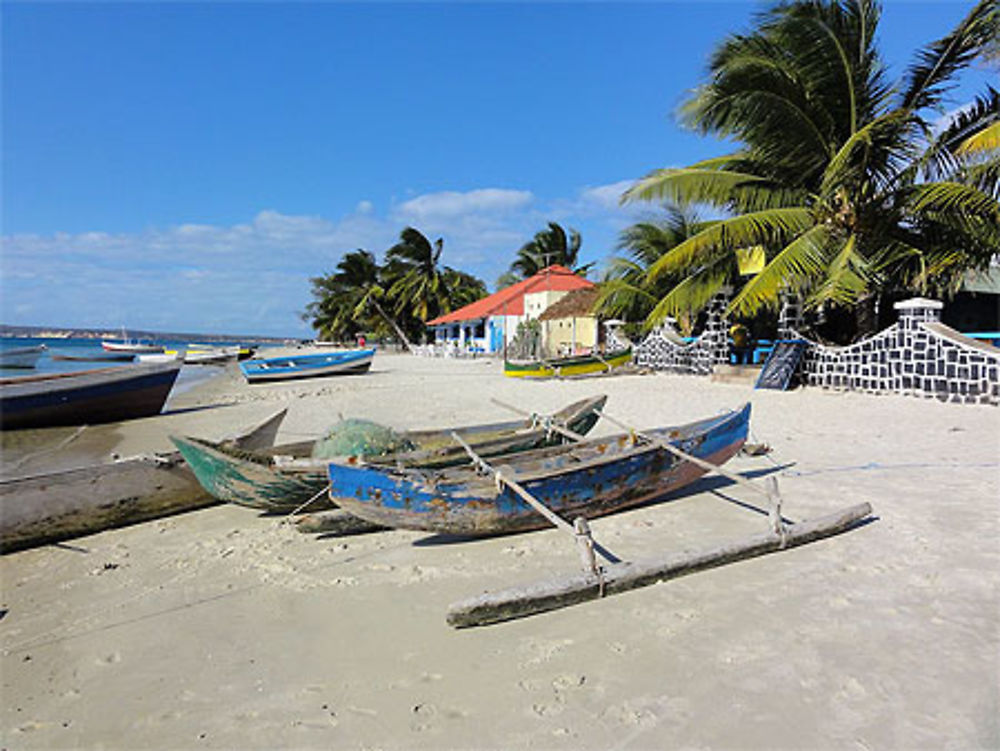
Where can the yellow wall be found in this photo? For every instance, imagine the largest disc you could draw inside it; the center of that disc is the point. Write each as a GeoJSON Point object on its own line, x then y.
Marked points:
{"type": "Point", "coordinates": [557, 336]}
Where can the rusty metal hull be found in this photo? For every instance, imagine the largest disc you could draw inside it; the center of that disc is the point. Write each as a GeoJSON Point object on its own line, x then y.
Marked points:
{"type": "Point", "coordinates": [590, 478]}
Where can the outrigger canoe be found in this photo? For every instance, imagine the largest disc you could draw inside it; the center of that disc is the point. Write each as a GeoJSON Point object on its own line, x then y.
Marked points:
{"type": "Point", "coordinates": [568, 366]}
{"type": "Point", "coordinates": [283, 478]}
{"type": "Point", "coordinates": [307, 366]}
{"type": "Point", "coordinates": [590, 478]}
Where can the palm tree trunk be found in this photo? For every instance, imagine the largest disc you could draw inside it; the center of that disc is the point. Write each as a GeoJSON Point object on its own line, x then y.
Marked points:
{"type": "Point", "coordinates": [395, 326]}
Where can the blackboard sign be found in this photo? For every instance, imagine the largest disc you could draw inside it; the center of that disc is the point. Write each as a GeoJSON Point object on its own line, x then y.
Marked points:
{"type": "Point", "coordinates": [781, 364]}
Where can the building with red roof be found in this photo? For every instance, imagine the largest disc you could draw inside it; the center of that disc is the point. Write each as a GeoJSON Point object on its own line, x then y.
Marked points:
{"type": "Point", "coordinates": [487, 324]}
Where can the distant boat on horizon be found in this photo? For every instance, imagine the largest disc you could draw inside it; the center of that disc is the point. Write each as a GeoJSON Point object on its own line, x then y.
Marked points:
{"type": "Point", "coordinates": [135, 346]}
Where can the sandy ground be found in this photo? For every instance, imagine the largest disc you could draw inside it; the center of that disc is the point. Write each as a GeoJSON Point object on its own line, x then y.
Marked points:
{"type": "Point", "coordinates": [224, 629]}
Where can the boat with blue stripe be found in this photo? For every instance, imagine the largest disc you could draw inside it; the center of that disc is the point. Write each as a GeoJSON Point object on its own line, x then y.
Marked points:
{"type": "Point", "coordinates": [591, 478]}
{"type": "Point", "coordinates": [289, 367]}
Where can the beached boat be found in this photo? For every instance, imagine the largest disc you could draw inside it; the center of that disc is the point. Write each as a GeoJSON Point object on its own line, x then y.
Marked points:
{"type": "Point", "coordinates": [21, 357]}
{"type": "Point", "coordinates": [206, 354]}
{"type": "Point", "coordinates": [283, 478]}
{"type": "Point", "coordinates": [307, 366]}
{"type": "Point", "coordinates": [590, 478]}
{"type": "Point", "coordinates": [84, 397]}
{"type": "Point", "coordinates": [170, 355]}
{"type": "Point", "coordinates": [47, 507]}
{"type": "Point", "coordinates": [568, 366]}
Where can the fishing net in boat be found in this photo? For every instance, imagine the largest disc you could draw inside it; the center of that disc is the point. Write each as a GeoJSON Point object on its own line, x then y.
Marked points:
{"type": "Point", "coordinates": [352, 437]}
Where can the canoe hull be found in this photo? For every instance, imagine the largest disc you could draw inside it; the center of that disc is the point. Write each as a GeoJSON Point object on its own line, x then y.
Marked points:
{"type": "Point", "coordinates": [307, 366]}
{"type": "Point", "coordinates": [54, 506]}
{"type": "Point", "coordinates": [614, 475]}
{"type": "Point", "coordinates": [22, 357]}
{"type": "Point", "coordinates": [86, 397]}
{"type": "Point", "coordinates": [255, 481]}
{"type": "Point", "coordinates": [569, 366]}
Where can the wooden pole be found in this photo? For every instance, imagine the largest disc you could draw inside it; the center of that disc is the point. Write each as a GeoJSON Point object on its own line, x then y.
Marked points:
{"type": "Point", "coordinates": [540, 507]}
{"type": "Point", "coordinates": [519, 602]}
{"type": "Point", "coordinates": [559, 428]}
{"type": "Point", "coordinates": [737, 478]}
{"type": "Point", "coordinates": [335, 521]}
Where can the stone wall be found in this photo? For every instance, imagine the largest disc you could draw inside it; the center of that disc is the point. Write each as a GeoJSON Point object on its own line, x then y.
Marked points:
{"type": "Point", "coordinates": [663, 348]}
{"type": "Point", "coordinates": [917, 356]}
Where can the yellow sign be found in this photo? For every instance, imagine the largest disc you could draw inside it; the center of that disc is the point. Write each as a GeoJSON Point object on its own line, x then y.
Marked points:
{"type": "Point", "coordinates": [751, 260]}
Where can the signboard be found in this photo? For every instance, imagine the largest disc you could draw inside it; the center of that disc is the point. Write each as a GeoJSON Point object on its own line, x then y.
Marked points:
{"type": "Point", "coordinates": [781, 364]}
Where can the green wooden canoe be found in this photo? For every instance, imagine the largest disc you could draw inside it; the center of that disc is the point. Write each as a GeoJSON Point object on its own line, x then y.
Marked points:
{"type": "Point", "coordinates": [283, 478]}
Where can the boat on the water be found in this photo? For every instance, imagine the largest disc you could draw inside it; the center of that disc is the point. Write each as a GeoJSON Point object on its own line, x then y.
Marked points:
{"type": "Point", "coordinates": [87, 396]}
{"type": "Point", "coordinates": [568, 366]}
{"type": "Point", "coordinates": [21, 357]}
{"type": "Point", "coordinates": [50, 506]}
{"type": "Point", "coordinates": [125, 344]}
{"type": "Point", "coordinates": [307, 365]}
{"type": "Point", "coordinates": [591, 478]}
{"type": "Point", "coordinates": [97, 357]}
{"type": "Point", "coordinates": [165, 356]}
{"type": "Point", "coordinates": [284, 477]}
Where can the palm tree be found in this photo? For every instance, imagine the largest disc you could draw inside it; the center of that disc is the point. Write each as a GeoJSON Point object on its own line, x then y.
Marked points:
{"type": "Point", "coordinates": [547, 247]}
{"type": "Point", "coordinates": [627, 292]}
{"type": "Point", "coordinates": [839, 177]}
{"type": "Point", "coordinates": [420, 286]}
{"type": "Point", "coordinates": [347, 301]}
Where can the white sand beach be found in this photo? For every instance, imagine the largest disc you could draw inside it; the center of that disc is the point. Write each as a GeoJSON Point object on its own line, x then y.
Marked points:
{"type": "Point", "coordinates": [224, 629]}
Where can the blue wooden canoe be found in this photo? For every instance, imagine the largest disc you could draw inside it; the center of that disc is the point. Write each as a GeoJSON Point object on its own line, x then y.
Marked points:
{"type": "Point", "coordinates": [86, 396]}
{"type": "Point", "coordinates": [589, 478]}
{"type": "Point", "coordinates": [307, 366]}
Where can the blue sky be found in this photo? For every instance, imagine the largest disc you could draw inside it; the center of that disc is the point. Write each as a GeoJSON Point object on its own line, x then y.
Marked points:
{"type": "Point", "coordinates": [189, 166]}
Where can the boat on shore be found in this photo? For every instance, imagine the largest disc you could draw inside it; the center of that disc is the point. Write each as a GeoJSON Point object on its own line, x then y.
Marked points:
{"type": "Point", "coordinates": [84, 397]}
{"type": "Point", "coordinates": [21, 357]}
{"type": "Point", "coordinates": [52, 506]}
{"type": "Point", "coordinates": [350, 362]}
{"type": "Point", "coordinates": [284, 477]}
{"type": "Point", "coordinates": [591, 478]}
{"type": "Point", "coordinates": [564, 367]}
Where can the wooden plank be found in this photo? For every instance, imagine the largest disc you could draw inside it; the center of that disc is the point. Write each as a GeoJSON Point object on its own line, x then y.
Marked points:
{"type": "Point", "coordinates": [336, 522]}
{"type": "Point", "coordinates": [781, 364]}
{"type": "Point", "coordinates": [519, 602]}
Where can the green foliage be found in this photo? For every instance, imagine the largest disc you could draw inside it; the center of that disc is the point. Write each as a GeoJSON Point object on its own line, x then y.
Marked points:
{"type": "Point", "coordinates": [395, 299]}
{"type": "Point", "coordinates": [839, 176]}
{"type": "Point", "coordinates": [549, 246]}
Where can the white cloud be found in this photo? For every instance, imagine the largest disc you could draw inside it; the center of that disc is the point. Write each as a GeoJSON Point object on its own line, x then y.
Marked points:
{"type": "Point", "coordinates": [253, 277]}
{"type": "Point", "coordinates": [449, 204]}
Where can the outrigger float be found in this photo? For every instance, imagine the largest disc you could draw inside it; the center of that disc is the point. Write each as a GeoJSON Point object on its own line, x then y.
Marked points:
{"type": "Point", "coordinates": [589, 478]}
{"type": "Point", "coordinates": [616, 576]}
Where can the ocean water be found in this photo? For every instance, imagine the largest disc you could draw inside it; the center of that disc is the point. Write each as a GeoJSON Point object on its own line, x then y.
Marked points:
{"type": "Point", "coordinates": [188, 377]}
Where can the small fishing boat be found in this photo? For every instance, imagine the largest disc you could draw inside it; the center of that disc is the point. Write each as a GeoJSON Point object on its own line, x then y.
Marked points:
{"type": "Point", "coordinates": [568, 366]}
{"type": "Point", "coordinates": [87, 396]}
{"type": "Point", "coordinates": [284, 477]}
{"type": "Point", "coordinates": [590, 478]}
{"type": "Point", "coordinates": [46, 507]}
{"type": "Point", "coordinates": [135, 346]}
{"type": "Point", "coordinates": [97, 357]}
{"type": "Point", "coordinates": [21, 357]}
{"type": "Point", "coordinates": [307, 366]}
{"type": "Point", "coordinates": [206, 354]}
{"type": "Point", "coordinates": [169, 355]}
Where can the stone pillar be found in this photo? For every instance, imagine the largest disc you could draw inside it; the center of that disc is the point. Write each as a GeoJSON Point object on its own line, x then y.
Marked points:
{"type": "Point", "coordinates": [790, 316]}
{"type": "Point", "coordinates": [918, 310]}
{"type": "Point", "coordinates": [716, 334]}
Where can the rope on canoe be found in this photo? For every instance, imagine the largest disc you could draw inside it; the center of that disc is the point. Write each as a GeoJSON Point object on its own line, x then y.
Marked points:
{"type": "Point", "coordinates": [297, 510]}
{"type": "Point", "coordinates": [62, 444]}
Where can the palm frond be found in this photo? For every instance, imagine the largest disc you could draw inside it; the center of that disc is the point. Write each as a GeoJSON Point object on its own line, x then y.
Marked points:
{"type": "Point", "coordinates": [930, 77]}
{"type": "Point", "coordinates": [758, 228]}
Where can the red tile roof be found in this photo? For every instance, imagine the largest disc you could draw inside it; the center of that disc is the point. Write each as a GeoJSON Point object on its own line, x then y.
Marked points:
{"type": "Point", "coordinates": [510, 300]}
